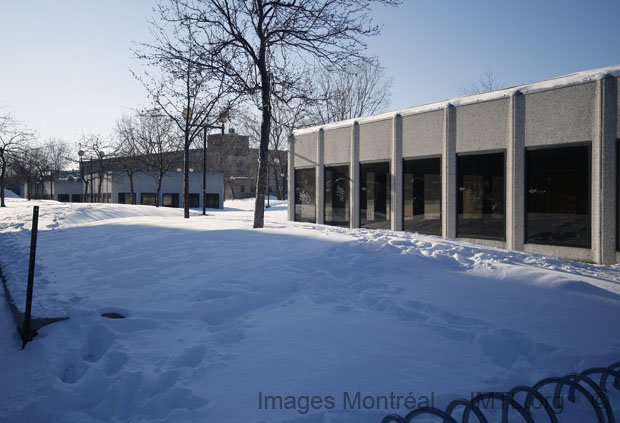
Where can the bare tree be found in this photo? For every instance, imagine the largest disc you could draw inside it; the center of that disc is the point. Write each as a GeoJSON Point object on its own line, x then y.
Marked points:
{"type": "Point", "coordinates": [98, 147]}
{"type": "Point", "coordinates": [260, 47]}
{"type": "Point", "coordinates": [156, 145]}
{"type": "Point", "coordinates": [285, 119]}
{"type": "Point", "coordinates": [126, 150]}
{"type": "Point", "coordinates": [488, 81]}
{"type": "Point", "coordinates": [361, 89]}
{"type": "Point", "coordinates": [28, 163]}
{"type": "Point", "coordinates": [56, 151]}
{"type": "Point", "coordinates": [185, 89]}
{"type": "Point", "coordinates": [13, 138]}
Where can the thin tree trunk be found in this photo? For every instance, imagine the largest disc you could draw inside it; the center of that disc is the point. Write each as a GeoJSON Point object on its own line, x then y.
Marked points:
{"type": "Point", "coordinates": [2, 176]}
{"type": "Point", "coordinates": [100, 184]}
{"type": "Point", "coordinates": [265, 128]}
{"type": "Point", "coordinates": [161, 176]}
{"type": "Point", "coordinates": [131, 188]}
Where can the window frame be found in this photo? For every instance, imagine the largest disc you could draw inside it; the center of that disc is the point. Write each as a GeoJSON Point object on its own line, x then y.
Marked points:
{"type": "Point", "coordinates": [587, 144]}
{"type": "Point", "coordinates": [441, 205]}
{"type": "Point", "coordinates": [501, 151]}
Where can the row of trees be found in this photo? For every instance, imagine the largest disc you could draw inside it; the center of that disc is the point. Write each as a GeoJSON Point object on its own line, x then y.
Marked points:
{"type": "Point", "coordinates": [21, 158]}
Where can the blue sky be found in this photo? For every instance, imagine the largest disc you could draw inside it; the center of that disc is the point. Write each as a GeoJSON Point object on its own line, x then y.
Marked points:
{"type": "Point", "coordinates": [64, 64]}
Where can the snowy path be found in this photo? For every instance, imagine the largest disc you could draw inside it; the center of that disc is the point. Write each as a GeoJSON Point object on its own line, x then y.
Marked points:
{"type": "Point", "coordinates": [217, 313]}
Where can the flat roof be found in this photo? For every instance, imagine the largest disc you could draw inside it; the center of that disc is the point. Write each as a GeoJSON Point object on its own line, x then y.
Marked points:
{"type": "Point", "coordinates": [544, 85]}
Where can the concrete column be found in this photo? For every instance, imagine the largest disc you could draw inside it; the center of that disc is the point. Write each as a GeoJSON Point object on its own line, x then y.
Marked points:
{"type": "Point", "coordinates": [320, 178]}
{"type": "Point", "coordinates": [291, 177]}
{"type": "Point", "coordinates": [448, 174]}
{"type": "Point", "coordinates": [515, 173]}
{"type": "Point", "coordinates": [354, 172]}
{"type": "Point", "coordinates": [396, 172]}
{"type": "Point", "coordinates": [604, 171]}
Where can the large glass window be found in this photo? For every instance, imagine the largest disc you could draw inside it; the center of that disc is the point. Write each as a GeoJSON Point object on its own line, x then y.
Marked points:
{"type": "Point", "coordinates": [375, 195]}
{"type": "Point", "coordinates": [170, 200]}
{"type": "Point", "coordinates": [481, 196]}
{"type": "Point", "coordinates": [557, 192]}
{"type": "Point", "coordinates": [337, 195]}
{"type": "Point", "coordinates": [305, 195]}
{"type": "Point", "coordinates": [422, 196]}
{"type": "Point", "coordinates": [194, 201]}
{"type": "Point", "coordinates": [126, 198]}
{"type": "Point", "coordinates": [77, 198]}
{"type": "Point", "coordinates": [212, 201]}
{"type": "Point", "coordinates": [148, 199]}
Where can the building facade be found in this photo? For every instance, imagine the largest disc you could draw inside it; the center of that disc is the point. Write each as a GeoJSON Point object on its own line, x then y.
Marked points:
{"type": "Point", "coordinates": [116, 188]}
{"type": "Point", "coordinates": [530, 168]}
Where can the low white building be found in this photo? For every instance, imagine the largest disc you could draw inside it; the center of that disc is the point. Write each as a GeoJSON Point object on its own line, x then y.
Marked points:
{"type": "Point", "coordinates": [116, 188]}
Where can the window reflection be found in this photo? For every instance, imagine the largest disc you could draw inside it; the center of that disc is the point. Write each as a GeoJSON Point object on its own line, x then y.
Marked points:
{"type": "Point", "coordinates": [337, 184]}
{"type": "Point", "coordinates": [558, 196]}
{"type": "Point", "coordinates": [305, 195]}
{"type": "Point", "coordinates": [422, 196]}
{"type": "Point", "coordinates": [375, 195]}
{"type": "Point", "coordinates": [481, 196]}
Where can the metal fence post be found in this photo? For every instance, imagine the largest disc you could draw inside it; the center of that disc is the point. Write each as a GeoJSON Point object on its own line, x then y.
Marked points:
{"type": "Point", "coordinates": [33, 252]}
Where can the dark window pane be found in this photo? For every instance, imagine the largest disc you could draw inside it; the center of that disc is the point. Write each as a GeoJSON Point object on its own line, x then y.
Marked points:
{"type": "Point", "coordinates": [170, 200]}
{"type": "Point", "coordinates": [557, 193]}
{"type": "Point", "coordinates": [375, 195]}
{"type": "Point", "coordinates": [194, 201]}
{"type": "Point", "coordinates": [213, 201]}
{"type": "Point", "coordinates": [305, 195]}
{"type": "Point", "coordinates": [337, 195]}
{"type": "Point", "coordinates": [481, 192]}
{"type": "Point", "coordinates": [126, 198]}
{"type": "Point", "coordinates": [148, 199]}
{"type": "Point", "coordinates": [422, 196]}
{"type": "Point", "coordinates": [64, 198]}
{"type": "Point", "coordinates": [76, 198]}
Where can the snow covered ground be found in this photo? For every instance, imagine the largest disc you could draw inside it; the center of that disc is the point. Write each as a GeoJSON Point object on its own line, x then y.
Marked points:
{"type": "Point", "coordinates": [219, 316]}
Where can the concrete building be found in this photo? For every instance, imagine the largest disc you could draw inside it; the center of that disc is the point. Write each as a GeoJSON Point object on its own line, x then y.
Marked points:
{"type": "Point", "coordinates": [529, 168]}
{"type": "Point", "coordinates": [116, 188]}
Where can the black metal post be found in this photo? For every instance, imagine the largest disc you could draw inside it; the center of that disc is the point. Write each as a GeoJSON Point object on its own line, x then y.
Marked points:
{"type": "Point", "coordinates": [204, 172]}
{"type": "Point", "coordinates": [33, 252]}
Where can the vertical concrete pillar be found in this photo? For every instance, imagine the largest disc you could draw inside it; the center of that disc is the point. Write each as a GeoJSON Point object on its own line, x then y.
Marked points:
{"type": "Point", "coordinates": [515, 173]}
{"type": "Point", "coordinates": [396, 173]}
{"type": "Point", "coordinates": [448, 174]}
{"type": "Point", "coordinates": [354, 172]}
{"type": "Point", "coordinates": [320, 178]}
{"type": "Point", "coordinates": [604, 171]}
{"type": "Point", "coordinates": [291, 177]}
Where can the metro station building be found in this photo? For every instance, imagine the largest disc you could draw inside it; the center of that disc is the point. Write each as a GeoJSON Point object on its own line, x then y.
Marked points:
{"type": "Point", "coordinates": [529, 168]}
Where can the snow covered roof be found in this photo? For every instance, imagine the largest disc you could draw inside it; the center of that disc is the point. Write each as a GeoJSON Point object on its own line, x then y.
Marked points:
{"type": "Point", "coordinates": [548, 84]}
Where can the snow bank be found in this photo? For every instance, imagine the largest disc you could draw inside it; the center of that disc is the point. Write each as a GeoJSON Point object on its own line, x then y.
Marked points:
{"type": "Point", "coordinates": [219, 316]}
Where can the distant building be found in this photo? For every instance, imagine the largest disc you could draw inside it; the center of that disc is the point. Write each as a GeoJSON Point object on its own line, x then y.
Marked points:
{"type": "Point", "coordinates": [231, 173]}
{"type": "Point", "coordinates": [530, 168]}
{"type": "Point", "coordinates": [115, 188]}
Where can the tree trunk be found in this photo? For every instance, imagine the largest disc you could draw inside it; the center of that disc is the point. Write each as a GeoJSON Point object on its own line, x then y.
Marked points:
{"type": "Point", "coordinates": [161, 176]}
{"type": "Point", "coordinates": [2, 175]}
{"type": "Point", "coordinates": [265, 128]}
{"type": "Point", "coordinates": [131, 188]}
{"type": "Point", "coordinates": [100, 184]}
